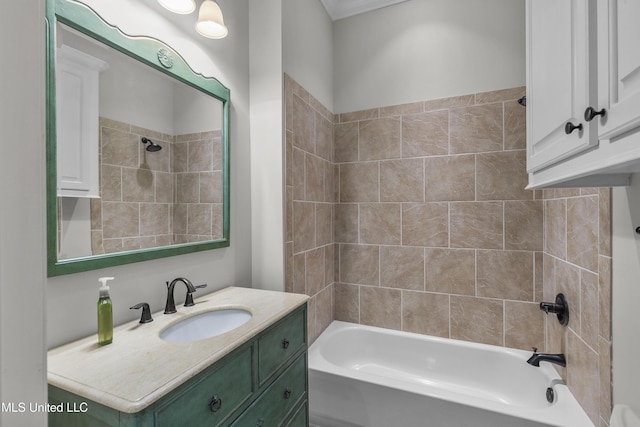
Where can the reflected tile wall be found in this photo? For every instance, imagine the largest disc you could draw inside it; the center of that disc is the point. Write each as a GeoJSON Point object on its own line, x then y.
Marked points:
{"type": "Point", "coordinates": [156, 199]}
{"type": "Point", "coordinates": [434, 233]}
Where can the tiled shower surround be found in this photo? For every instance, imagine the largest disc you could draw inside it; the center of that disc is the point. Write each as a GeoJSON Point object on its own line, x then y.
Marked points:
{"type": "Point", "coordinates": [151, 199]}
{"type": "Point", "coordinates": [415, 217]}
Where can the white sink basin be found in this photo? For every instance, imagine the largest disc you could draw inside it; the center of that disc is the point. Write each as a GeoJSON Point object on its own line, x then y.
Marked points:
{"type": "Point", "coordinates": [206, 325]}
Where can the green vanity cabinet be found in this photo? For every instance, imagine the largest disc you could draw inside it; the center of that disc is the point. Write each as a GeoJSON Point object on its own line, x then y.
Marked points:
{"type": "Point", "coordinates": [262, 383]}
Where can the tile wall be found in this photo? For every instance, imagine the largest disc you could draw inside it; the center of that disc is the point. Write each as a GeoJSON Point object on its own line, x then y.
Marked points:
{"type": "Point", "coordinates": [434, 233]}
{"type": "Point", "coordinates": [151, 199]}
{"type": "Point", "coordinates": [309, 204]}
{"type": "Point", "coordinates": [577, 262]}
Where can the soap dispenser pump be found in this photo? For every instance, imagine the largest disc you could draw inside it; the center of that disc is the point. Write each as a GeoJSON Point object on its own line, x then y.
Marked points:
{"type": "Point", "coordinates": [105, 313]}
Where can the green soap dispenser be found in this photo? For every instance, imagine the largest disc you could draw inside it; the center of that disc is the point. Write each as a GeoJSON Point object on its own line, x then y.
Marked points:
{"type": "Point", "coordinates": [105, 313]}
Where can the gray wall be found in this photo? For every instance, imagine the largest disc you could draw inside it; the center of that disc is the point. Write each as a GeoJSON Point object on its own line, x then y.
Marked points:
{"type": "Point", "coordinates": [427, 49]}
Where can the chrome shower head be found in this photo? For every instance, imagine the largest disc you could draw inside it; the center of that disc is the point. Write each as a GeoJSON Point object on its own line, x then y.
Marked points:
{"type": "Point", "coordinates": [152, 145]}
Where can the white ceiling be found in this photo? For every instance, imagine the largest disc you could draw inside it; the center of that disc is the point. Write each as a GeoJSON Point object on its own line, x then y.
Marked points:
{"type": "Point", "coordinates": [339, 9]}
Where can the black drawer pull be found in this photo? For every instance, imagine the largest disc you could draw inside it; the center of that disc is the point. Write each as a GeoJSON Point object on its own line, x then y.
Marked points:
{"type": "Point", "coordinates": [287, 393]}
{"type": "Point", "coordinates": [215, 403]}
{"type": "Point", "coordinates": [590, 113]}
{"type": "Point", "coordinates": [570, 127]}
{"type": "Point", "coordinates": [285, 343]}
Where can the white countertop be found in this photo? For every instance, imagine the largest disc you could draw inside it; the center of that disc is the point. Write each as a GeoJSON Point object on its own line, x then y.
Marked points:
{"type": "Point", "coordinates": [139, 368]}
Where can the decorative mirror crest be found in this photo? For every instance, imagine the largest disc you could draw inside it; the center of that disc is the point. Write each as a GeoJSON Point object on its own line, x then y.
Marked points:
{"type": "Point", "coordinates": [143, 172]}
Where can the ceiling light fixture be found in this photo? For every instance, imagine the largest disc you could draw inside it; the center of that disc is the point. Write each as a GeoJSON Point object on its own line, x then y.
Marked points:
{"type": "Point", "coordinates": [210, 22]}
{"type": "Point", "coordinates": [183, 7]}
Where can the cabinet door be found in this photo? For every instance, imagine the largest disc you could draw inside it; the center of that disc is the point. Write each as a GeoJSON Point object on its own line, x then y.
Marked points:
{"type": "Point", "coordinates": [560, 79]}
{"type": "Point", "coordinates": [619, 65]}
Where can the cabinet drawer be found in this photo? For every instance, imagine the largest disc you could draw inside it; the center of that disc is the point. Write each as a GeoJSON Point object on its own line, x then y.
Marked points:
{"type": "Point", "coordinates": [300, 418]}
{"type": "Point", "coordinates": [232, 384]}
{"type": "Point", "coordinates": [279, 400]}
{"type": "Point", "coordinates": [280, 343]}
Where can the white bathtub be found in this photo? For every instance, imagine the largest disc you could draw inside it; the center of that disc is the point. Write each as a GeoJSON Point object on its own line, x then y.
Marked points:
{"type": "Point", "coordinates": [374, 377]}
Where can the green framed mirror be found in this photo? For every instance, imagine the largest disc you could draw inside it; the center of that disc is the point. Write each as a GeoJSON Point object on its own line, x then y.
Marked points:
{"type": "Point", "coordinates": [137, 147]}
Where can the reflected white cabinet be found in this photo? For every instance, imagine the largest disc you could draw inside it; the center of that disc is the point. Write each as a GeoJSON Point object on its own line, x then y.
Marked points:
{"type": "Point", "coordinates": [583, 92]}
{"type": "Point", "coordinates": [77, 104]}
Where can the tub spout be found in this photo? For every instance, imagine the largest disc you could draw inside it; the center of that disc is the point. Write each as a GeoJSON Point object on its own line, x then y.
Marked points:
{"type": "Point", "coordinates": [536, 358]}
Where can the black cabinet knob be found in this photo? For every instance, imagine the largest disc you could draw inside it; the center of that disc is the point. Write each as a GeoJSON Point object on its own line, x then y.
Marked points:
{"type": "Point", "coordinates": [287, 393]}
{"type": "Point", "coordinates": [285, 343]}
{"type": "Point", "coordinates": [215, 403]}
{"type": "Point", "coordinates": [590, 113]}
{"type": "Point", "coordinates": [570, 127]}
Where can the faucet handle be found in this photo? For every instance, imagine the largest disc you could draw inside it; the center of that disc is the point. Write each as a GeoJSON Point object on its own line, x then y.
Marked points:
{"type": "Point", "coordinates": [535, 349]}
{"type": "Point", "coordinates": [146, 312]}
{"type": "Point", "coordinates": [188, 301]}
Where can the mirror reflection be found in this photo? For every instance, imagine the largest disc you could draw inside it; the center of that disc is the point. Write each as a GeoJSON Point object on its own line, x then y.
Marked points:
{"type": "Point", "coordinates": [139, 154]}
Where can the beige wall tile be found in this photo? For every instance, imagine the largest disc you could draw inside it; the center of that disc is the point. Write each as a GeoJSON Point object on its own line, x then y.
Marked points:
{"type": "Point", "coordinates": [476, 129]}
{"type": "Point", "coordinates": [314, 271]}
{"type": "Point", "coordinates": [298, 178]}
{"type": "Point", "coordinates": [450, 178]}
{"type": "Point", "coordinates": [138, 185]}
{"type": "Point", "coordinates": [324, 137]}
{"type": "Point", "coordinates": [180, 212]}
{"type": "Point", "coordinates": [379, 139]}
{"type": "Point", "coordinates": [324, 221]}
{"type": "Point", "coordinates": [330, 264]}
{"type": "Point", "coordinates": [582, 232]}
{"type": "Point", "coordinates": [500, 95]}
{"type": "Point", "coordinates": [324, 309]}
{"type": "Point", "coordinates": [402, 267]}
{"type": "Point", "coordinates": [180, 157]}
{"type": "Point", "coordinates": [314, 178]}
{"type": "Point", "coordinates": [187, 188]}
{"type": "Point", "coordinates": [200, 156]}
{"type": "Point", "coordinates": [589, 308]}
{"type": "Point", "coordinates": [555, 229]}
{"type": "Point", "coordinates": [425, 313]}
{"type": "Point", "coordinates": [583, 376]}
{"type": "Point", "coordinates": [303, 125]}
{"type": "Point", "coordinates": [505, 275]}
{"type": "Point", "coordinates": [120, 219]}
{"type": "Point", "coordinates": [604, 295]}
{"type": "Point", "coordinates": [502, 176]}
{"type": "Point", "coordinates": [119, 148]}
{"type": "Point", "coordinates": [524, 325]}
{"type": "Point", "coordinates": [425, 134]}
{"type": "Point", "coordinates": [359, 264]}
{"type": "Point", "coordinates": [304, 226]}
{"type": "Point", "coordinates": [164, 187]}
{"type": "Point", "coordinates": [452, 102]}
{"type": "Point", "coordinates": [402, 180]}
{"type": "Point", "coordinates": [402, 109]}
{"type": "Point", "coordinates": [568, 282]}
{"type": "Point", "coordinates": [199, 219]}
{"type": "Point", "coordinates": [380, 307]}
{"type": "Point", "coordinates": [299, 273]}
{"type": "Point", "coordinates": [359, 115]}
{"type": "Point", "coordinates": [111, 183]}
{"type": "Point", "coordinates": [515, 126]}
{"type": "Point", "coordinates": [346, 223]}
{"type": "Point", "coordinates": [477, 319]}
{"type": "Point", "coordinates": [346, 142]}
{"type": "Point", "coordinates": [347, 302]}
{"type": "Point", "coordinates": [523, 225]}
{"type": "Point", "coordinates": [425, 224]}
{"type": "Point", "coordinates": [604, 211]}
{"type": "Point", "coordinates": [477, 225]}
{"type": "Point", "coordinates": [154, 219]}
{"type": "Point", "coordinates": [604, 362]}
{"type": "Point", "coordinates": [380, 223]}
{"type": "Point", "coordinates": [451, 271]}
{"type": "Point", "coordinates": [359, 182]}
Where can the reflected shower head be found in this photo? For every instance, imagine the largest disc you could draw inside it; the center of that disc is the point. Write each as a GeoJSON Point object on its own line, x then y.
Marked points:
{"type": "Point", "coordinates": [152, 145]}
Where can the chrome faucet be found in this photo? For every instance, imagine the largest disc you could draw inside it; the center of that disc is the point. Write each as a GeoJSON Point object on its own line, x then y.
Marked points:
{"type": "Point", "coordinates": [170, 307]}
{"type": "Point", "coordinates": [536, 358]}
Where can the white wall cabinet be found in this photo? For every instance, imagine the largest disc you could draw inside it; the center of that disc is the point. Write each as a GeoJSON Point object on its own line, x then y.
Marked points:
{"type": "Point", "coordinates": [77, 122]}
{"type": "Point", "coordinates": [583, 92]}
